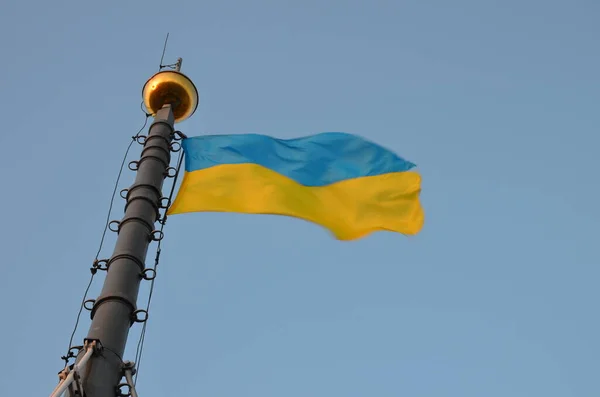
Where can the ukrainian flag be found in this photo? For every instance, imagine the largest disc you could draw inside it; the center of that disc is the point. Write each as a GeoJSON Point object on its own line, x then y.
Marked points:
{"type": "Point", "coordinates": [340, 181]}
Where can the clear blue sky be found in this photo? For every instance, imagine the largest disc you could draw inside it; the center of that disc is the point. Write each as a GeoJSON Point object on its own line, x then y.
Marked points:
{"type": "Point", "coordinates": [497, 103]}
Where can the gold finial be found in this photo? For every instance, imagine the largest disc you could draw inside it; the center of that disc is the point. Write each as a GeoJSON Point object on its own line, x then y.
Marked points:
{"type": "Point", "coordinates": [174, 88]}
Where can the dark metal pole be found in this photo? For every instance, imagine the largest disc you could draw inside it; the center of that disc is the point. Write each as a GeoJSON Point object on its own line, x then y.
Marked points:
{"type": "Point", "coordinates": [114, 311]}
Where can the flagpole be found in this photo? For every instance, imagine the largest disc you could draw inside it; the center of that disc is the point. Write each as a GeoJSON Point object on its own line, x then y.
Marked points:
{"type": "Point", "coordinates": [99, 367]}
{"type": "Point", "coordinates": [115, 310]}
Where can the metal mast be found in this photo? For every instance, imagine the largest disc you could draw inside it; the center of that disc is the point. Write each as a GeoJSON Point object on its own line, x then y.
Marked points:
{"type": "Point", "coordinates": [170, 97]}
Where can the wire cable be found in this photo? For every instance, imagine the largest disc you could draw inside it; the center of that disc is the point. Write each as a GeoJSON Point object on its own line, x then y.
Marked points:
{"type": "Point", "coordinates": [140, 346]}
{"type": "Point", "coordinates": [108, 215]}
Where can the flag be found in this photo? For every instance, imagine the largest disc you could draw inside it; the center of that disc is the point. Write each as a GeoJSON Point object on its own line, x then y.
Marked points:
{"type": "Point", "coordinates": [340, 181]}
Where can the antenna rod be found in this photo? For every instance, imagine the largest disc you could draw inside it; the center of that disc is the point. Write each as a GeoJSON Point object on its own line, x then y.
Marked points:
{"type": "Point", "coordinates": [115, 310]}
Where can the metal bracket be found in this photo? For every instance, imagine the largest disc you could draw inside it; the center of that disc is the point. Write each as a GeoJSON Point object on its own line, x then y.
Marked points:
{"type": "Point", "coordinates": [178, 135]}
{"type": "Point", "coordinates": [136, 318]}
{"type": "Point", "coordinates": [101, 264]}
{"type": "Point", "coordinates": [71, 374]}
{"type": "Point", "coordinates": [128, 371]}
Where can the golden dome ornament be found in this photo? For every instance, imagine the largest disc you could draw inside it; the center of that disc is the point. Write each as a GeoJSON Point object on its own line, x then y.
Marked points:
{"type": "Point", "coordinates": [171, 87]}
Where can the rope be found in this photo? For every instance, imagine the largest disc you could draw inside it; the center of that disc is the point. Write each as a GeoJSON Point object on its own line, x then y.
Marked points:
{"type": "Point", "coordinates": [94, 267]}
{"type": "Point", "coordinates": [140, 346]}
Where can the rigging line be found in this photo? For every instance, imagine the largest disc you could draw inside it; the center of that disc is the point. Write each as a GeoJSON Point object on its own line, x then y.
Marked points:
{"type": "Point", "coordinates": [140, 346]}
{"type": "Point", "coordinates": [112, 200]}
{"type": "Point", "coordinates": [163, 53]}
